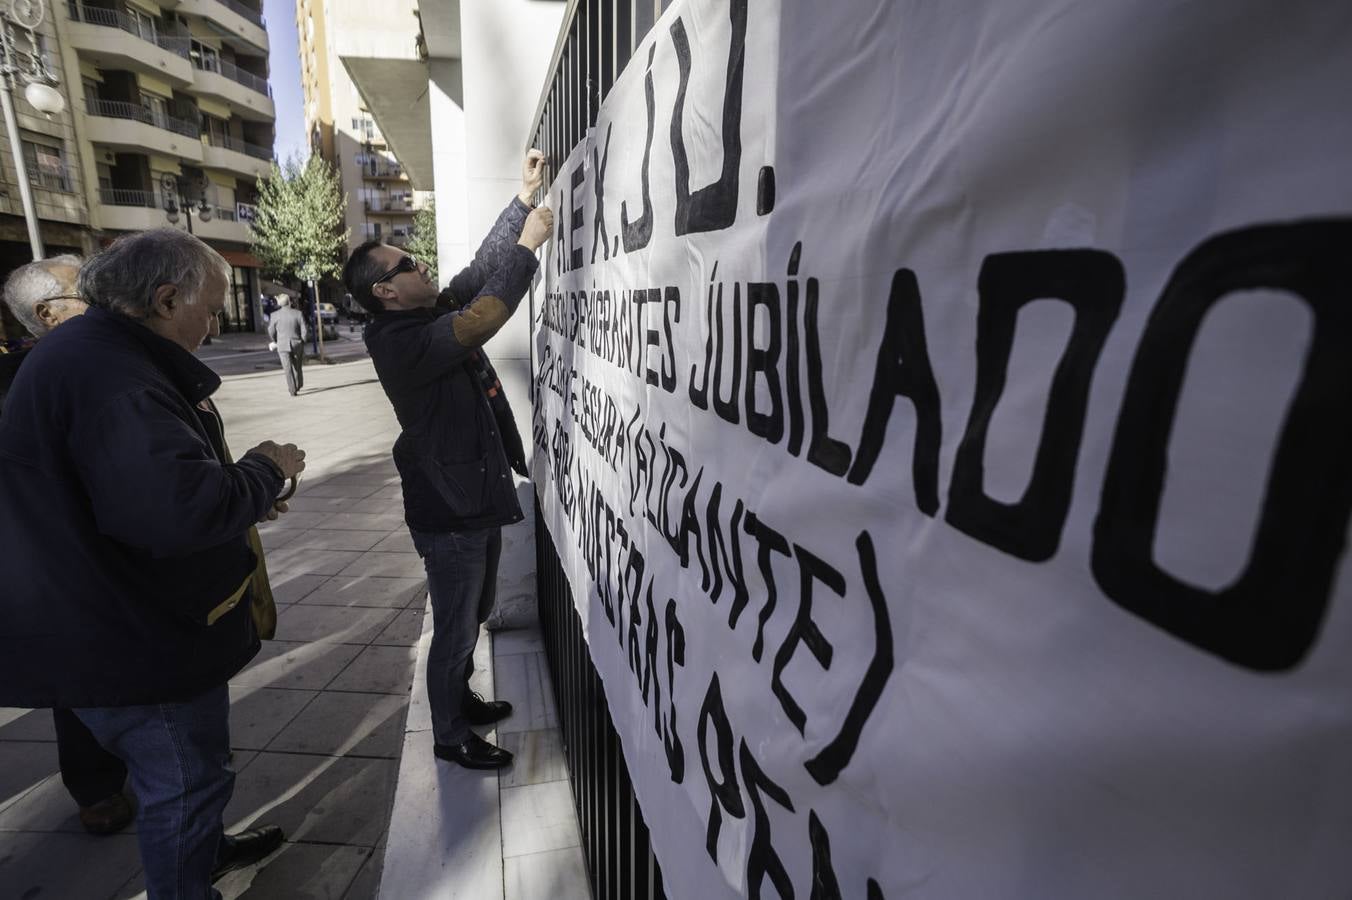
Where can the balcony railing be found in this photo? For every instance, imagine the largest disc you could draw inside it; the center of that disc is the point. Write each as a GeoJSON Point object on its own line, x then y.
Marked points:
{"type": "Point", "coordinates": [123, 197]}
{"type": "Point", "coordinates": [382, 171]}
{"type": "Point", "coordinates": [111, 18]}
{"type": "Point", "coordinates": [235, 74]}
{"type": "Point", "coordinates": [393, 206]}
{"type": "Point", "coordinates": [252, 15]}
{"type": "Point", "coordinates": [119, 109]}
{"type": "Point", "coordinates": [227, 142]}
{"type": "Point", "coordinates": [51, 178]}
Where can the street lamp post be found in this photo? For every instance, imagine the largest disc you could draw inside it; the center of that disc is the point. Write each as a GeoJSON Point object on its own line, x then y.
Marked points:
{"type": "Point", "coordinates": [30, 67]}
{"type": "Point", "coordinates": [188, 194]}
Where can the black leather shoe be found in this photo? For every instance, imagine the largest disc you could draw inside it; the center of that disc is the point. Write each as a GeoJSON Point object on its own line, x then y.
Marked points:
{"type": "Point", "coordinates": [109, 816]}
{"type": "Point", "coordinates": [474, 753]}
{"type": "Point", "coordinates": [245, 849]}
{"type": "Point", "coordinates": [484, 712]}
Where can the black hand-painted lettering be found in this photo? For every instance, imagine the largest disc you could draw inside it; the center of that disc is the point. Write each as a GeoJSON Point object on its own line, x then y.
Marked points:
{"type": "Point", "coordinates": [1093, 283]}
{"type": "Point", "coordinates": [636, 234]}
{"type": "Point", "coordinates": [762, 859]}
{"type": "Point", "coordinates": [671, 739]}
{"type": "Point", "coordinates": [713, 207]}
{"type": "Point", "coordinates": [724, 792]}
{"type": "Point", "coordinates": [575, 204]}
{"type": "Point", "coordinates": [764, 361]}
{"type": "Point", "coordinates": [903, 370]}
{"type": "Point", "coordinates": [600, 237]}
{"type": "Point", "coordinates": [804, 631]}
{"type": "Point", "coordinates": [1269, 618]}
{"type": "Point", "coordinates": [824, 883]}
{"type": "Point", "coordinates": [768, 541]}
{"type": "Point", "coordinates": [827, 765]}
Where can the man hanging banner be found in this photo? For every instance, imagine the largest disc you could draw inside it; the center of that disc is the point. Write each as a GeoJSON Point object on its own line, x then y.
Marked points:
{"type": "Point", "coordinates": [942, 420]}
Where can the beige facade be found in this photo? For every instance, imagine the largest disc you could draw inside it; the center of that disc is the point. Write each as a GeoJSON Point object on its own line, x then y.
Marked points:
{"type": "Point", "coordinates": [381, 201]}
{"type": "Point", "coordinates": [167, 102]}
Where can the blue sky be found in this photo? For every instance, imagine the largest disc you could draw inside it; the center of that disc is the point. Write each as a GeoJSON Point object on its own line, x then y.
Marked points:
{"type": "Point", "coordinates": [284, 68]}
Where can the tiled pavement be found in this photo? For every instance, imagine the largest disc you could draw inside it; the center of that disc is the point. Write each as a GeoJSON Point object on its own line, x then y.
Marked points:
{"type": "Point", "coordinates": [318, 718]}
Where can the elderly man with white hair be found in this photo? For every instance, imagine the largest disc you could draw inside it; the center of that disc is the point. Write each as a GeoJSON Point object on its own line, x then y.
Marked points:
{"type": "Point", "coordinates": [125, 527]}
{"type": "Point", "coordinates": [42, 295]}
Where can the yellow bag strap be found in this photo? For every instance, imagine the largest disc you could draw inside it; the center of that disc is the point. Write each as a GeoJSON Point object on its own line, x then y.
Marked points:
{"type": "Point", "coordinates": [230, 602]}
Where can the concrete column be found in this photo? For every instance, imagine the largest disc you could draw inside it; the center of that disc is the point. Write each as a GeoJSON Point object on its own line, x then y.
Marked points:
{"type": "Point", "coordinates": [445, 95]}
{"type": "Point", "coordinates": [505, 49]}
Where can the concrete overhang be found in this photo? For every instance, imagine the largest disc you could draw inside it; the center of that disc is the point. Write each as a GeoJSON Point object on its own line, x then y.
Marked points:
{"type": "Point", "coordinates": [441, 27]}
{"type": "Point", "coordinates": [391, 77]}
{"type": "Point", "coordinates": [395, 91]}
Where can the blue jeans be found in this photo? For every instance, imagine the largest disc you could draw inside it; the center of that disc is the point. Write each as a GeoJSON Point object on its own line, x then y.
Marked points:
{"type": "Point", "coordinates": [177, 754]}
{"type": "Point", "coordinates": [462, 577]}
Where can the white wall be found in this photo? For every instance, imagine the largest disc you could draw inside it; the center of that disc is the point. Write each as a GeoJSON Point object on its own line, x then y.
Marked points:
{"type": "Point", "coordinates": [477, 148]}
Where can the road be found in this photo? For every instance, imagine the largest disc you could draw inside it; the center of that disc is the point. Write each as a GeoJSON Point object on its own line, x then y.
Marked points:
{"type": "Point", "coordinates": [227, 360]}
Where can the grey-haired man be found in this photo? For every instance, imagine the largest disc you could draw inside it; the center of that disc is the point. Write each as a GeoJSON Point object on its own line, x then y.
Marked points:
{"type": "Point", "coordinates": [125, 531]}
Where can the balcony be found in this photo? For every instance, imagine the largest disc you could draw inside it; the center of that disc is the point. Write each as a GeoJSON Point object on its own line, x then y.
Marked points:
{"type": "Point", "coordinates": [247, 95]}
{"type": "Point", "coordinates": [129, 210]}
{"type": "Point", "coordinates": [381, 173]}
{"type": "Point", "coordinates": [135, 129]}
{"type": "Point", "coordinates": [225, 225]}
{"type": "Point", "coordinates": [393, 207]}
{"type": "Point", "coordinates": [114, 40]}
{"type": "Point", "coordinates": [234, 155]}
{"type": "Point", "coordinates": [242, 26]}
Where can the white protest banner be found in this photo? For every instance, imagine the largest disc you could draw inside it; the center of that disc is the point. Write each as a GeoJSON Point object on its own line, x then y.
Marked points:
{"type": "Point", "coordinates": [942, 420]}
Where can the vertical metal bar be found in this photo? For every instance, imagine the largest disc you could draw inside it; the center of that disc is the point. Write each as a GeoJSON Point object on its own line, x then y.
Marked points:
{"type": "Point", "coordinates": [624, 34]}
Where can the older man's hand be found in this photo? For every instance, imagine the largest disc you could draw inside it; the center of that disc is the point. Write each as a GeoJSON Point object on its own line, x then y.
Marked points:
{"type": "Point", "coordinates": [532, 176]}
{"type": "Point", "coordinates": [277, 509]}
{"type": "Point", "coordinates": [288, 458]}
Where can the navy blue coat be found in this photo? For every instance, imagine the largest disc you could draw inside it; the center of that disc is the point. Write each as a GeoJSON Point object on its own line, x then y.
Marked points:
{"type": "Point", "coordinates": [452, 462]}
{"type": "Point", "coordinates": [120, 527]}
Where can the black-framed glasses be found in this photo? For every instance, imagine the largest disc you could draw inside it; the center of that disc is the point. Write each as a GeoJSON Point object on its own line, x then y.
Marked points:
{"type": "Point", "coordinates": [406, 264]}
{"type": "Point", "coordinates": [64, 297]}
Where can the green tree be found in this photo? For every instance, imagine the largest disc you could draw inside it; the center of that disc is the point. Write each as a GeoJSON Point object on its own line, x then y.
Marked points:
{"type": "Point", "coordinates": [298, 228]}
{"type": "Point", "coordinates": [423, 243]}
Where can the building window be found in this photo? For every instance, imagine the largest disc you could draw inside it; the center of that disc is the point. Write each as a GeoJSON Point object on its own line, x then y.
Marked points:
{"type": "Point", "coordinates": [47, 166]}
{"type": "Point", "coordinates": [158, 108]}
{"type": "Point", "coordinates": [216, 130]}
{"type": "Point", "coordinates": [208, 59]}
{"type": "Point", "coordinates": [142, 24]}
{"type": "Point", "coordinates": [364, 127]}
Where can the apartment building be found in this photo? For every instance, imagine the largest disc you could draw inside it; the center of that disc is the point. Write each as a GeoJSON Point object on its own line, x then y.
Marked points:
{"type": "Point", "coordinates": [169, 121]}
{"type": "Point", "coordinates": [381, 199]}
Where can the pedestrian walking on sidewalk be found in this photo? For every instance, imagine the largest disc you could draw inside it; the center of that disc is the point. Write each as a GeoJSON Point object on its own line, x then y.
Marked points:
{"type": "Point", "coordinates": [287, 332]}
{"type": "Point", "coordinates": [459, 441]}
{"type": "Point", "coordinates": [129, 567]}
{"type": "Point", "coordinates": [42, 295]}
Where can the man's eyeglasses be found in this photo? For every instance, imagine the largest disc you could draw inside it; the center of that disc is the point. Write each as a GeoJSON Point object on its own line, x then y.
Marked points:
{"type": "Point", "coordinates": [406, 264]}
{"type": "Point", "coordinates": [64, 297]}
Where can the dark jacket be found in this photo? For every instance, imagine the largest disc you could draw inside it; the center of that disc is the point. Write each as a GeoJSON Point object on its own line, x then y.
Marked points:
{"type": "Point", "coordinates": [121, 529]}
{"type": "Point", "coordinates": [450, 455]}
{"type": "Point", "coordinates": [9, 368]}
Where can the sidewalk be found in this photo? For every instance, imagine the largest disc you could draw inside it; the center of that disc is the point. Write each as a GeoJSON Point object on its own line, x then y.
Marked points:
{"type": "Point", "coordinates": [318, 718]}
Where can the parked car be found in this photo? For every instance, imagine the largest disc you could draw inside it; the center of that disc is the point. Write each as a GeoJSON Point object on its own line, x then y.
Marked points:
{"type": "Point", "coordinates": [328, 316]}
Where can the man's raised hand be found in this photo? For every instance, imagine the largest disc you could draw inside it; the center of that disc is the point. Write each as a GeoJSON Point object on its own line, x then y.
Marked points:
{"type": "Point", "coordinates": [539, 226]}
{"type": "Point", "coordinates": [532, 175]}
